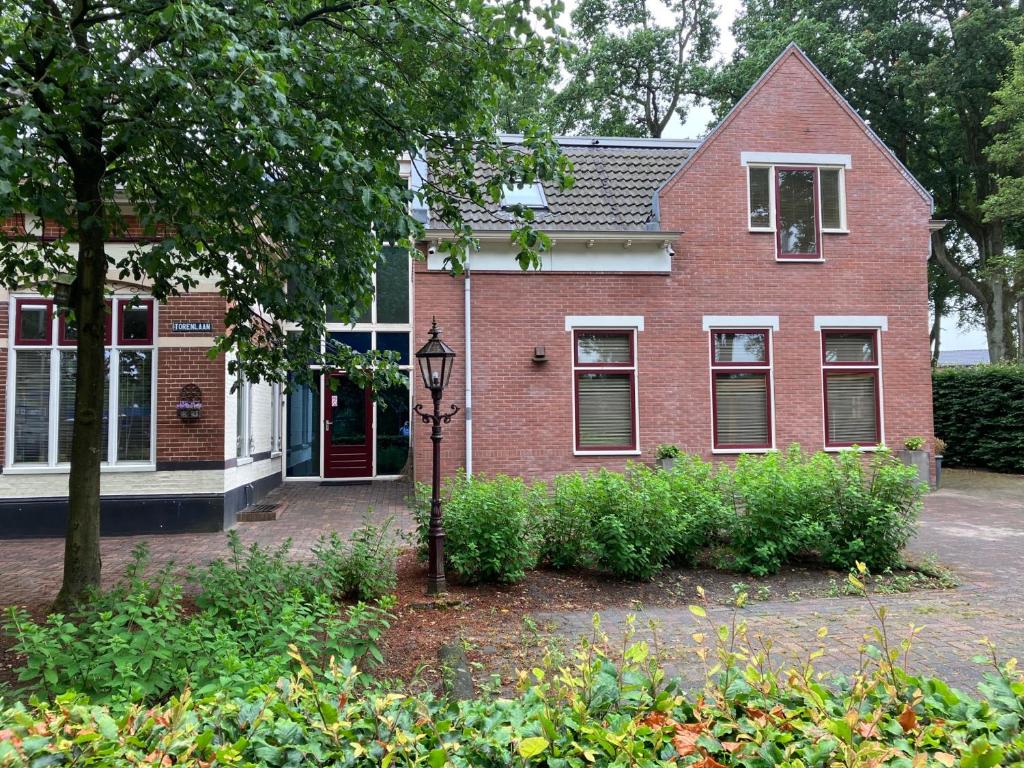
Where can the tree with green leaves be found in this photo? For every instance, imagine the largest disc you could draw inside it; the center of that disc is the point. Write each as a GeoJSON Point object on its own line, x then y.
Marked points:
{"type": "Point", "coordinates": [922, 73]}
{"type": "Point", "coordinates": [629, 72]}
{"type": "Point", "coordinates": [262, 138]}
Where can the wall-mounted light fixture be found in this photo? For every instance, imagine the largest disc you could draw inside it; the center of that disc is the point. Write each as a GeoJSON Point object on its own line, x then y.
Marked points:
{"type": "Point", "coordinates": [539, 355]}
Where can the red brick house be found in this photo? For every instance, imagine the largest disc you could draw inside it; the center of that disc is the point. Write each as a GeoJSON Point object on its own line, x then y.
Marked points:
{"type": "Point", "coordinates": [762, 287]}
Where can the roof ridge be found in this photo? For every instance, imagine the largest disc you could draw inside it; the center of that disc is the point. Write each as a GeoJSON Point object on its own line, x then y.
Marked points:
{"type": "Point", "coordinates": [609, 141]}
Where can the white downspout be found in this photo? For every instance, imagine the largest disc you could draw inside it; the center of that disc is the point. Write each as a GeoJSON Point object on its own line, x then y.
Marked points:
{"type": "Point", "coordinates": [469, 373]}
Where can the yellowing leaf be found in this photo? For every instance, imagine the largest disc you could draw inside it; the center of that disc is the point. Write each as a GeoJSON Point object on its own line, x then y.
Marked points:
{"type": "Point", "coordinates": [696, 610]}
{"type": "Point", "coordinates": [532, 746]}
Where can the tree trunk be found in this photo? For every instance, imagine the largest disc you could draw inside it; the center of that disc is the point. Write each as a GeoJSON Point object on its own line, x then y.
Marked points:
{"type": "Point", "coordinates": [936, 331]}
{"type": "Point", "coordinates": [82, 541]}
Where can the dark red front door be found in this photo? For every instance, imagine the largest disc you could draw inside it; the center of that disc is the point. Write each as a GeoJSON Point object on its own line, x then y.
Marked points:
{"type": "Point", "coordinates": [348, 429]}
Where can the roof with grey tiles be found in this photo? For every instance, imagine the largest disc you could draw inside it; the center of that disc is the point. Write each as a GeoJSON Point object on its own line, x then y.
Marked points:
{"type": "Point", "coordinates": [615, 182]}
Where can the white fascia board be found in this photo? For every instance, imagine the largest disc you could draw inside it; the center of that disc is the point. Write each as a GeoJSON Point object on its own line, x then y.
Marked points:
{"type": "Point", "coordinates": [794, 158]}
{"type": "Point", "coordinates": [741, 321]}
{"type": "Point", "coordinates": [604, 321]}
{"type": "Point", "coordinates": [880, 322]}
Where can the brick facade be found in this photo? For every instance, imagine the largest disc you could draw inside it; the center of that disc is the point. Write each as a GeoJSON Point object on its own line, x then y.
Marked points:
{"type": "Point", "coordinates": [523, 411]}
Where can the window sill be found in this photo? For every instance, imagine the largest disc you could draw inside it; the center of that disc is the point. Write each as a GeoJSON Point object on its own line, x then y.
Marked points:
{"type": "Point", "coordinates": [860, 448]}
{"type": "Point", "coordinates": [275, 454]}
{"type": "Point", "coordinates": [739, 451]}
{"type": "Point", "coordinates": [243, 460]}
{"type": "Point", "coordinates": [782, 260]}
{"type": "Point", "coordinates": [761, 230]}
{"type": "Point", "coordinates": [835, 231]}
{"type": "Point", "coordinates": [66, 469]}
{"type": "Point", "coordinates": [624, 452]}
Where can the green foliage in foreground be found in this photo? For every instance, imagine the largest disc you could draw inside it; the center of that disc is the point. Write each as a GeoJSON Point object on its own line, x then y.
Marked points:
{"type": "Point", "coordinates": [765, 512]}
{"type": "Point", "coordinates": [979, 413]}
{"type": "Point", "coordinates": [142, 642]}
{"type": "Point", "coordinates": [599, 708]}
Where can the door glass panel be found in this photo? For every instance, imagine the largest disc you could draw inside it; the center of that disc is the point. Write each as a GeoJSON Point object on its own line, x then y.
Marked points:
{"type": "Point", "coordinates": [303, 428]}
{"type": "Point", "coordinates": [393, 429]}
{"type": "Point", "coordinates": [394, 342]}
{"type": "Point", "coordinates": [348, 414]}
{"type": "Point", "coordinates": [359, 341]}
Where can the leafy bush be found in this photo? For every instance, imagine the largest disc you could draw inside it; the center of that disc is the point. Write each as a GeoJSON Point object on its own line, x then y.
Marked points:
{"type": "Point", "coordinates": [595, 710]}
{"type": "Point", "coordinates": [363, 568]}
{"type": "Point", "coordinates": [139, 642]}
{"type": "Point", "coordinates": [778, 503]}
{"type": "Point", "coordinates": [978, 414]}
{"type": "Point", "coordinates": [491, 535]}
{"type": "Point", "coordinates": [870, 515]}
{"type": "Point", "coordinates": [667, 451]}
{"type": "Point", "coordinates": [700, 511]}
{"type": "Point", "coordinates": [566, 526]}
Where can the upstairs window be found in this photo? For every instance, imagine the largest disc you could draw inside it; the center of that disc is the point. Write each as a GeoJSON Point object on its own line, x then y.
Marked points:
{"type": "Point", "coordinates": [523, 196]}
{"type": "Point", "coordinates": [605, 391]}
{"type": "Point", "coordinates": [798, 204]}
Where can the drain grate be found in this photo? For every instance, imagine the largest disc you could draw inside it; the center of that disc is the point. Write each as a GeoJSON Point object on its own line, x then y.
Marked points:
{"type": "Point", "coordinates": [258, 513]}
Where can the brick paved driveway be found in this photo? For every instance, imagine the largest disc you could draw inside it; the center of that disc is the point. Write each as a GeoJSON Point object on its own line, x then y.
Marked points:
{"type": "Point", "coordinates": [30, 569]}
{"type": "Point", "coordinates": [975, 526]}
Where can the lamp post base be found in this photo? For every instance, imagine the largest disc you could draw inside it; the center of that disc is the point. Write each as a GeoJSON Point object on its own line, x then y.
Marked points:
{"type": "Point", "coordinates": [437, 585]}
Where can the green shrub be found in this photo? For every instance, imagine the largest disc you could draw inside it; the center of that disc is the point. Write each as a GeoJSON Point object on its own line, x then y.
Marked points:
{"type": "Point", "coordinates": [778, 502]}
{"type": "Point", "coordinates": [362, 568]}
{"type": "Point", "coordinates": [138, 643]}
{"type": "Point", "coordinates": [633, 521]}
{"type": "Point", "coordinates": [699, 510]}
{"type": "Point", "coordinates": [491, 534]}
{"type": "Point", "coordinates": [979, 414]}
{"type": "Point", "coordinates": [566, 524]}
{"type": "Point", "coordinates": [595, 711]}
{"type": "Point", "coordinates": [871, 514]}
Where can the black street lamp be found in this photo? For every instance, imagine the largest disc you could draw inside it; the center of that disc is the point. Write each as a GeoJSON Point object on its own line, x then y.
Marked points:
{"type": "Point", "coordinates": [436, 361]}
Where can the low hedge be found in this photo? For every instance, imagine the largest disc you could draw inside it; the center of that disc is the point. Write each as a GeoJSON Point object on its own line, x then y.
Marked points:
{"type": "Point", "coordinates": [594, 711]}
{"type": "Point", "coordinates": [766, 512]}
{"type": "Point", "coordinates": [979, 413]}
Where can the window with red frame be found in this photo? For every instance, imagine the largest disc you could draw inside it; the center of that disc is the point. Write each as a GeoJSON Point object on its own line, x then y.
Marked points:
{"type": "Point", "coordinates": [44, 366]}
{"type": "Point", "coordinates": [798, 204]}
{"type": "Point", "coordinates": [850, 375]}
{"type": "Point", "coordinates": [741, 386]}
{"type": "Point", "coordinates": [605, 390]}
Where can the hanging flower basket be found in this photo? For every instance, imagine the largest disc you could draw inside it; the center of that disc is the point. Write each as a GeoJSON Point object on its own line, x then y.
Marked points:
{"type": "Point", "coordinates": [190, 403]}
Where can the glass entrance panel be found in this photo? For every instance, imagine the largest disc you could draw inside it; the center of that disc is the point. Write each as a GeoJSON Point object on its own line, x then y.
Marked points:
{"type": "Point", "coordinates": [393, 429]}
{"type": "Point", "coordinates": [348, 414]}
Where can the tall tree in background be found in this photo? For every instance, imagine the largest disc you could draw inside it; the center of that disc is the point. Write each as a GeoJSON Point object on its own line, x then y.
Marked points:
{"type": "Point", "coordinates": [267, 134]}
{"type": "Point", "coordinates": [922, 73]}
{"type": "Point", "coordinates": [1007, 153]}
{"type": "Point", "coordinates": [629, 72]}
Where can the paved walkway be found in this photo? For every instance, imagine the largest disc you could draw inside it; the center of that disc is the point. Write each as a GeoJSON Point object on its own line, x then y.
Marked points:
{"type": "Point", "coordinates": [975, 526]}
{"type": "Point", "coordinates": [30, 569]}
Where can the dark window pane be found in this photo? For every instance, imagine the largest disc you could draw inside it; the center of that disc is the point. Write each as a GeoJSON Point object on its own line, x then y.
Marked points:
{"type": "Point", "coordinates": [605, 411]}
{"type": "Point", "coordinates": [393, 429]}
{"type": "Point", "coordinates": [135, 325]}
{"type": "Point", "coordinates": [303, 403]}
{"type": "Point", "coordinates": [849, 347]}
{"type": "Point", "coordinates": [741, 347]}
{"type": "Point", "coordinates": [606, 348]}
{"type": "Point", "coordinates": [360, 341]}
{"type": "Point", "coordinates": [831, 214]}
{"type": "Point", "coordinates": [393, 286]}
{"type": "Point", "coordinates": [134, 405]}
{"type": "Point", "coordinates": [741, 410]}
{"type": "Point", "coordinates": [797, 230]}
{"type": "Point", "coordinates": [852, 413]}
{"type": "Point", "coordinates": [66, 405]}
{"type": "Point", "coordinates": [33, 323]}
{"type": "Point", "coordinates": [760, 197]}
{"type": "Point", "coordinates": [31, 406]}
{"type": "Point", "coordinates": [395, 342]}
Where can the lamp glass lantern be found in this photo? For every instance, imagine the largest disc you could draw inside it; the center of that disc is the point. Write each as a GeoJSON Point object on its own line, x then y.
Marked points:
{"type": "Point", "coordinates": [435, 359]}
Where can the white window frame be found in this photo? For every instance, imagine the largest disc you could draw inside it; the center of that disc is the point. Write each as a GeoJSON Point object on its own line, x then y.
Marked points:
{"type": "Point", "coordinates": [878, 324]}
{"type": "Point", "coordinates": [55, 348]}
{"type": "Point", "coordinates": [719, 324]}
{"type": "Point", "coordinates": [632, 324]}
{"type": "Point", "coordinates": [243, 430]}
{"type": "Point", "coordinates": [843, 229]}
{"type": "Point", "coordinates": [275, 419]}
